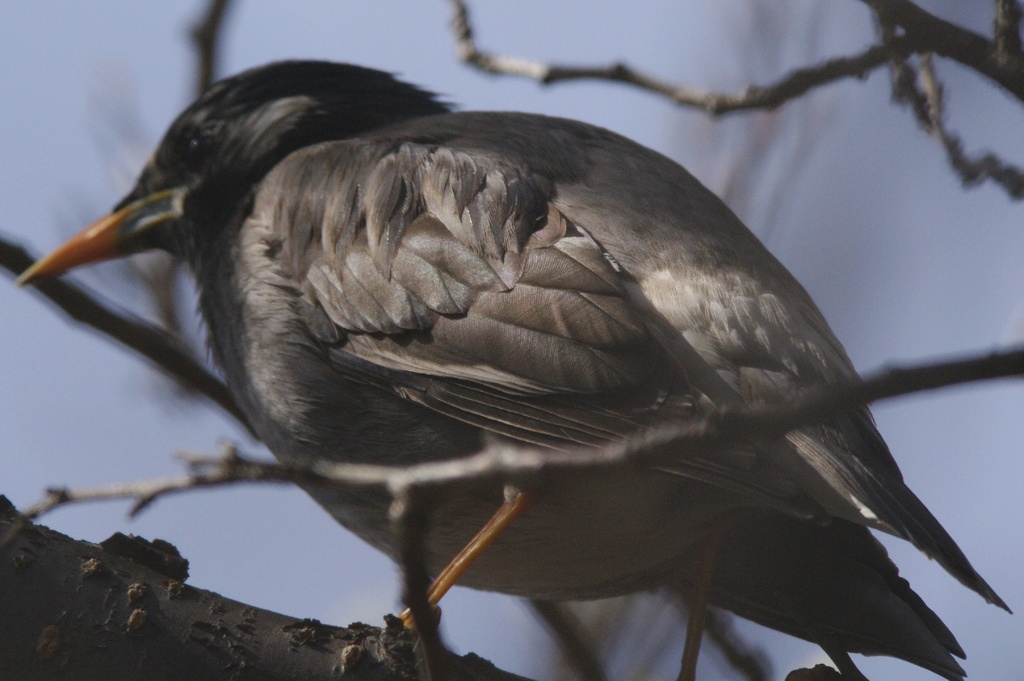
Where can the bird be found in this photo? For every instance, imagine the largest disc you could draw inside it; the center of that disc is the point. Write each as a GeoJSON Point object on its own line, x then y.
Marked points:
{"type": "Point", "coordinates": [386, 280]}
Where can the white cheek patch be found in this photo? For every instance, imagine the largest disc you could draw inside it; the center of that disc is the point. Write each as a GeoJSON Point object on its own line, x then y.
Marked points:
{"type": "Point", "coordinates": [272, 116]}
{"type": "Point", "coordinates": [278, 110]}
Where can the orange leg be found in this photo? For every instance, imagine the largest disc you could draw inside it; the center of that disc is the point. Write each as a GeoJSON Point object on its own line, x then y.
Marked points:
{"type": "Point", "coordinates": [509, 511]}
{"type": "Point", "coordinates": [698, 605]}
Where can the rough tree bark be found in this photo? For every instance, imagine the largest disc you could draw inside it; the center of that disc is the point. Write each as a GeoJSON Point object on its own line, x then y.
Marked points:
{"type": "Point", "coordinates": [123, 610]}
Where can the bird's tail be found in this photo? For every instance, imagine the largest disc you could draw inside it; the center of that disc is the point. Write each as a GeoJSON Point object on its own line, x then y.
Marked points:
{"type": "Point", "coordinates": [831, 584]}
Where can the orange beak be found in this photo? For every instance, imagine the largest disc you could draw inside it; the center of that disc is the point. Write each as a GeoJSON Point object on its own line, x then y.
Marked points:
{"type": "Point", "coordinates": [110, 237]}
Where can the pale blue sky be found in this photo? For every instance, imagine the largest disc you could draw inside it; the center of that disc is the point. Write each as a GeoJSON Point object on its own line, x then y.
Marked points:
{"type": "Point", "coordinates": [904, 263]}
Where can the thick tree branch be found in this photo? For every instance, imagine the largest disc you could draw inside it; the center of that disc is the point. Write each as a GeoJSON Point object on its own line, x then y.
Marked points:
{"type": "Point", "coordinates": [819, 672]}
{"type": "Point", "coordinates": [95, 612]}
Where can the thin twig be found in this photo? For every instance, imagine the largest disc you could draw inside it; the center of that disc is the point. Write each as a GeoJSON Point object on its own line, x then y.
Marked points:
{"type": "Point", "coordinates": [226, 469]}
{"type": "Point", "coordinates": [153, 343]}
{"type": "Point", "coordinates": [795, 84]}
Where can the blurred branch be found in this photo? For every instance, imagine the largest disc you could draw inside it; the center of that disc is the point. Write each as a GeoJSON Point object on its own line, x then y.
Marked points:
{"type": "Point", "coordinates": [1007, 30]}
{"type": "Point", "coordinates": [153, 343]}
{"type": "Point", "coordinates": [160, 273]}
{"type": "Point", "coordinates": [410, 519]}
{"type": "Point", "coordinates": [749, 660]}
{"type": "Point", "coordinates": [572, 638]}
{"type": "Point", "coordinates": [206, 34]}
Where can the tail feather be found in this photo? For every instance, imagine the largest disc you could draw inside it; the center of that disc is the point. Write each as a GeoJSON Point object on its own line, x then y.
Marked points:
{"type": "Point", "coordinates": [832, 584]}
{"type": "Point", "coordinates": [870, 475]}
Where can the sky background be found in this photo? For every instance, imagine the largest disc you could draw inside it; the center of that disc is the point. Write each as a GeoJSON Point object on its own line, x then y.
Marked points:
{"type": "Point", "coordinates": [906, 265]}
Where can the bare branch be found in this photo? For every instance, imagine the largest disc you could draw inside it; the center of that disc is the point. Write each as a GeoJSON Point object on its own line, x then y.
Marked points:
{"type": "Point", "coordinates": [927, 102]}
{"type": "Point", "coordinates": [1001, 61]}
{"type": "Point", "coordinates": [503, 462]}
{"type": "Point", "coordinates": [1007, 31]}
{"type": "Point", "coordinates": [797, 83]}
{"type": "Point", "coordinates": [824, 401]}
{"type": "Point", "coordinates": [162, 272]}
{"type": "Point", "coordinates": [226, 469]}
{"type": "Point", "coordinates": [153, 343]}
{"type": "Point", "coordinates": [929, 33]}
{"type": "Point", "coordinates": [158, 274]}
{"type": "Point", "coordinates": [206, 33]}
{"type": "Point", "coordinates": [971, 170]}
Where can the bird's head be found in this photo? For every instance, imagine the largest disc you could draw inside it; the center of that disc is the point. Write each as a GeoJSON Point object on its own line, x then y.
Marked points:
{"type": "Point", "coordinates": [224, 143]}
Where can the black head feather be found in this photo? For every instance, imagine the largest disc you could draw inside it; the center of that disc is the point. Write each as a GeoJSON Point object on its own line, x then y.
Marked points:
{"type": "Point", "coordinates": [229, 138]}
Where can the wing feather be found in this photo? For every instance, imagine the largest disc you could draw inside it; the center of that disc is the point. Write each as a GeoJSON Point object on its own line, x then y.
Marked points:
{"type": "Point", "coordinates": [456, 274]}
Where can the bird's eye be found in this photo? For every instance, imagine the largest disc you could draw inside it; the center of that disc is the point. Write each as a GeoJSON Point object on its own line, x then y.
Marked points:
{"type": "Point", "coordinates": [190, 148]}
{"type": "Point", "coordinates": [196, 148]}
